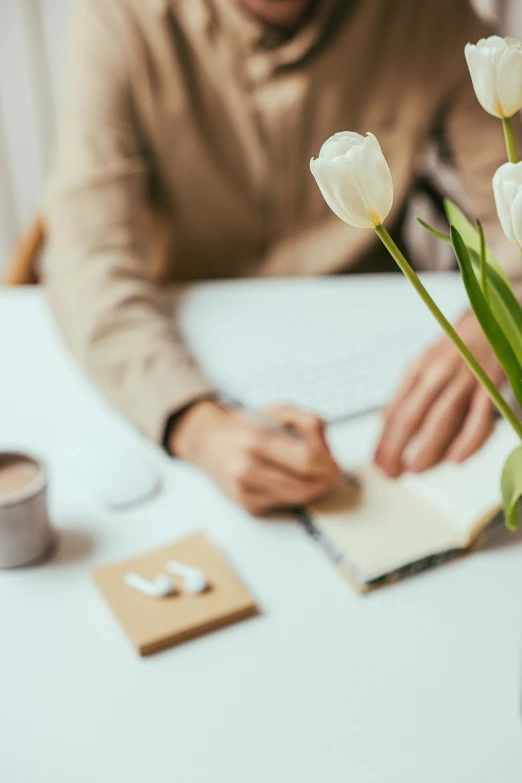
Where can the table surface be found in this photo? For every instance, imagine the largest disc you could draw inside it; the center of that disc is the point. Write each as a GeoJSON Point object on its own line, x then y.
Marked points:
{"type": "Point", "coordinates": [417, 682]}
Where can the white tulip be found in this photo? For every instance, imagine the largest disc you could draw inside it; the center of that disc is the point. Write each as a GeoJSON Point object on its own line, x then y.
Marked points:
{"type": "Point", "coordinates": [495, 65]}
{"type": "Point", "coordinates": [507, 187]}
{"type": "Point", "coordinates": [354, 178]}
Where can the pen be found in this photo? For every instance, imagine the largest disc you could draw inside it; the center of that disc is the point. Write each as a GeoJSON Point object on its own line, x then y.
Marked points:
{"type": "Point", "coordinates": [258, 417]}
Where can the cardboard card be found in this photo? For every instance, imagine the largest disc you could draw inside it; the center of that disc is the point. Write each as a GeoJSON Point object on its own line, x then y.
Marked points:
{"type": "Point", "coordinates": [155, 623]}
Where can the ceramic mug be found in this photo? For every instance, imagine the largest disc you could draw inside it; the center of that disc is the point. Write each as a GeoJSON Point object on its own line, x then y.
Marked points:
{"type": "Point", "coordinates": [25, 532]}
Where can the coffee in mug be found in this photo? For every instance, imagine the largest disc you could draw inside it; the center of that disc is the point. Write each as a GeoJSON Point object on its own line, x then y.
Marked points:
{"type": "Point", "coordinates": [25, 532]}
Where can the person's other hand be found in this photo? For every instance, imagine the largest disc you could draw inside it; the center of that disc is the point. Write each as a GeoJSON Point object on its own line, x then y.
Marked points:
{"type": "Point", "coordinates": [259, 468]}
{"type": "Point", "coordinates": [440, 410]}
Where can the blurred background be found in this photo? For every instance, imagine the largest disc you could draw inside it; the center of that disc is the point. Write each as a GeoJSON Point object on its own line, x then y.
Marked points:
{"type": "Point", "coordinates": [32, 35]}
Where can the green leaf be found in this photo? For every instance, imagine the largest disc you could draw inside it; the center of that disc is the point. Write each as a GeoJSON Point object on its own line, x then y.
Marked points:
{"type": "Point", "coordinates": [469, 234]}
{"type": "Point", "coordinates": [504, 305]}
{"type": "Point", "coordinates": [511, 484]}
{"type": "Point", "coordinates": [487, 320]}
{"type": "Point", "coordinates": [483, 262]}
{"type": "Point", "coordinates": [438, 234]}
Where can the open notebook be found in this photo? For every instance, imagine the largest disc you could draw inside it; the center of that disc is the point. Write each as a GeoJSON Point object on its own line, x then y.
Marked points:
{"type": "Point", "coordinates": [390, 529]}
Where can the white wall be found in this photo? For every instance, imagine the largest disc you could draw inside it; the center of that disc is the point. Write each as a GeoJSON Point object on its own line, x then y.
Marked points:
{"type": "Point", "coordinates": [32, 34]}
{"type": "Point", "coordinates": [31, 43]}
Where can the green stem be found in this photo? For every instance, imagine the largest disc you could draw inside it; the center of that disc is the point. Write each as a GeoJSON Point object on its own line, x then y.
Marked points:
{"type": "Point", "coordinates": [497, 399]}
{"type": "Point", "coordinates": [509, 137]}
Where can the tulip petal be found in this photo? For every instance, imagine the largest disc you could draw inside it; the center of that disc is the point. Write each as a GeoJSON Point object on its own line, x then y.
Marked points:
{"type": "Point", "coordinates": [494, 43]}
{"type": "Point", "coordinates": [483, 77]}
{"type": "Point", "coordinates": [509, 81]}
{"type": "Point", "coordinates": [339, 144]}
{"type": "Point", "coordinates": [363, 182]}
{"type": "Point", "coordinates": [502, 174]}
{"type": "Point", "coordinates": [508, 172]}
{"type": "Point", "coordinates": [503, 199]}
{"type": "Point", "coordinates": [336, 183]}
{"type": "Point", "coordinates": [516, 218]}
{"type": "Point", "coordinates": [507, 183]}
{"type": "Point", "coordinates": [320, 172]}
{"type": "Point", "coordinates": [347, 191]}
{"type": "Point", "coordinates": [356, 185]}
{"type": "Point", "coordinates": [375, 180]}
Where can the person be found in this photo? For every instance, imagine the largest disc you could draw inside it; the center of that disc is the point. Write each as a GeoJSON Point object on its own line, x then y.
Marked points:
{"type": "Point", "coordinates": [183, 154]}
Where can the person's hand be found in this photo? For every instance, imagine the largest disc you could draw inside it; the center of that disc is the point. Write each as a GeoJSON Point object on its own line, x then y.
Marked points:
{"type": "Point", "coordinates": [259, 468]}
{"type": "Point", "coordinates": [440, 410]}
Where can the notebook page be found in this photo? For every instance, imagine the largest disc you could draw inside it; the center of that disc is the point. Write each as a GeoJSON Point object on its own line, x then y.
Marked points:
{"type": "Point", "coordinates": [467, 493]}
{"type": "Point", "coordinates": [384, 527]}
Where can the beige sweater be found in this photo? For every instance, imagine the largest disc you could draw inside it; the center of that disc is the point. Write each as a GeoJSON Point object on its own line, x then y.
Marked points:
{"type": "Point", "coordinates": [193, 109]}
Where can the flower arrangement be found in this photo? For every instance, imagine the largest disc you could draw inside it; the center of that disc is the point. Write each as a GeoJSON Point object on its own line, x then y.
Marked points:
{"type": "Point", "coordinates": [356, 183]}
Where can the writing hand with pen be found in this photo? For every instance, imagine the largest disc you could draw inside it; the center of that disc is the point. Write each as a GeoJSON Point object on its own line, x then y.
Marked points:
{"type": "Point", "coordinates": [254, 458]}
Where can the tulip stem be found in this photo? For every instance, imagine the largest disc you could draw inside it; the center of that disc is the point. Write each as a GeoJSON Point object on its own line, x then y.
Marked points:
{"type": "Point", "coordinates": [509, 136]}
{"type": "Point", "coordinates": [506, 411]}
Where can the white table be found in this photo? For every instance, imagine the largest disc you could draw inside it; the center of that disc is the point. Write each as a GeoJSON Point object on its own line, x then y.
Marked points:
{"type": "Point", "coordinates": [417, 682]}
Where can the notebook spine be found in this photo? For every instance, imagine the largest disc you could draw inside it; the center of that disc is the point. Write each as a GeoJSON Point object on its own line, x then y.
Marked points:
{"type": "Point", "coordinates": [326, 545]}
